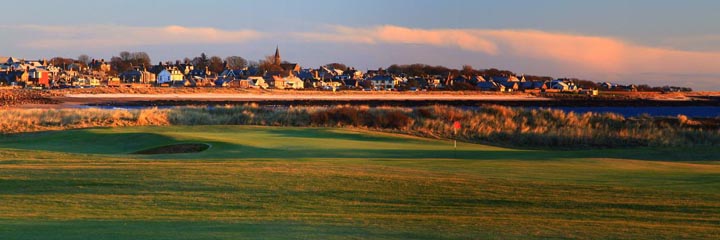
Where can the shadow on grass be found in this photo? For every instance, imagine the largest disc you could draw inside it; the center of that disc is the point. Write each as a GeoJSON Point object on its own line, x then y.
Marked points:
{"type": "Point", "coordinates": [94, 229]}
{"type": "Point", "coordinates": [86, 141]}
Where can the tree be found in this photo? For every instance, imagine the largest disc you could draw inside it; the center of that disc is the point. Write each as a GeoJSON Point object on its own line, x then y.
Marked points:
{"type": "Point", "coordinates": [140, 59]}
{"type": "Point", "coordinates": [236, 62]}
{"type": "Point", "coordinates": [201, 62]}
{"type": "Point", "coordinates": [468, 71]}
{"type": "Point", "coordinates": [338, 66]}
{"type": "Point", "coordinates": [125, 56]}
{"type": "Point", "coordinates": [127, 60]}
{"type": "Point", "coordinates": [268, 65]}
{"type": "Point", "coordinates": [494, 72]}
{"type": "Point", "coordinates": [84, 59]}
{"type": "Point", "coordinates": [118, 65]}
{"type": "Point", "coordinates": [395, 69]}
{"type": "Point", "coordinates": [585, 84]}
{"type": "Point", "coordinates": [216, 64]}
{"type": "Point", "coordinates": [61, 62]}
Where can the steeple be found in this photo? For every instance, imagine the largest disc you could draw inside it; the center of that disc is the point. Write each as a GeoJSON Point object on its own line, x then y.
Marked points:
{"type": "Point", "coordinates": [277, 56]}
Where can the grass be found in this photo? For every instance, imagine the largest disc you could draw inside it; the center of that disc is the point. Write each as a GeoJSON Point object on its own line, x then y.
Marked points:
{"type": "Point", "coordinates": [280, 183]}
{"type": "Point", "coordinates": [491, 124]}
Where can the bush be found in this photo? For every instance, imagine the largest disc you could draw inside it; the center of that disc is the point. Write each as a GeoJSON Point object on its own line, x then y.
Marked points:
{"type": "Point", "coordinates": [487, 124]}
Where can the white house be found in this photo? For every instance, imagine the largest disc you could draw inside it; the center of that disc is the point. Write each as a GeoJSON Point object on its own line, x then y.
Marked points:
{"type": "Point", "coordinates": [170, 76]}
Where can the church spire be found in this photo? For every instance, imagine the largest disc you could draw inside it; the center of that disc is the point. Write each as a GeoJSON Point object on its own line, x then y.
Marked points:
{"type": "Point", "coordinates": [277, 55]}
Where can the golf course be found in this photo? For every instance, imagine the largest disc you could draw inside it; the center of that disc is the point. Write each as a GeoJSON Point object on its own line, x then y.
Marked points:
{"type": "Point", "coordinates": [259, 182]}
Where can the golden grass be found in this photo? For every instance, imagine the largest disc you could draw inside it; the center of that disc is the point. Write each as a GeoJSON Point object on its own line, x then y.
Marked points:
{"type": "Point", "coordinates": [489, 124]}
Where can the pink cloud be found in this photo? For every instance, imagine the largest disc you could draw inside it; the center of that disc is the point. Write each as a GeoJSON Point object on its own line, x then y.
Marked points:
{"type": "Point", "coordinates": [400, 35]}
{"type": "Point", "coordinates": [577, 53]}
{"type": "Point", "coordinates": [98, 36]}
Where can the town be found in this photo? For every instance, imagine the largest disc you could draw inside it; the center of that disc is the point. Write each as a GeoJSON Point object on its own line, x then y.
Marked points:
{"type": "Point", "coordinates": [134, 70]}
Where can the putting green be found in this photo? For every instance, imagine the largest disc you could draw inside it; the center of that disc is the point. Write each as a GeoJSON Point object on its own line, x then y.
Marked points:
{"type": "Point", "coordinates": [266, 182]}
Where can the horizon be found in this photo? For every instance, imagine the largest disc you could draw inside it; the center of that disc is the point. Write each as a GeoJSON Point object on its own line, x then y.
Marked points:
{"type": "Point", "coordinates": [610, 41]}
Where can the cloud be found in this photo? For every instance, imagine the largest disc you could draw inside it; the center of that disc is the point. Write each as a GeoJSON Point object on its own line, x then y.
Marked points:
{"type": "Point", "coordinates": [578, 53]}
{"type": "Point", "coordinates": [599, 58]}
{"type": "Point", "coordinates": [100, 36]}
{"type": "Point", "coordinates": [401, 35]}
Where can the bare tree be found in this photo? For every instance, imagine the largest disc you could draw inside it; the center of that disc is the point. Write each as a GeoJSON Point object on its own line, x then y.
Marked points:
{"type": "Point", "coordinates": [468, 70]}
{"type": "Point", "coordinates": [216, 64]}
{"type": "Point", "coordinates": [268, 65]}
{"type": "Point", "coordinates": [84, 59]}
{"type": "Point", "coordinates": [236, 62]}
{"type": "Point", "coordinates": [125, 56]}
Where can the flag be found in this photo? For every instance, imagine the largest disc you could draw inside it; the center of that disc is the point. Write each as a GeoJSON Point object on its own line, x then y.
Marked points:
{"type": "Point", "coordinates": [456, 125]}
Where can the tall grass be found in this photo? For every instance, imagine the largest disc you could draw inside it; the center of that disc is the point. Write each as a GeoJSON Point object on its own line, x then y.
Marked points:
{"type": "Point", "coordinates": [489, 124]}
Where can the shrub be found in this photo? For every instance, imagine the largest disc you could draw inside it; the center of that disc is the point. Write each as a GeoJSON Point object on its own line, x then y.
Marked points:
{"type": "Point", "coordinates": [486, 124]}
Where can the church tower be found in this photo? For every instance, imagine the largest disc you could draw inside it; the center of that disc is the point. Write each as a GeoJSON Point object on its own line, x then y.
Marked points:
{"type": "Point", "coordinates": [277, 59]}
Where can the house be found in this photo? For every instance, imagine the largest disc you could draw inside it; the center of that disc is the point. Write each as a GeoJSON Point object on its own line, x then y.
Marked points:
{"type": "Point", "coordinates": [327, 73]}
{"type": "Point", "coordinates": [477, 79]}
{"type": "Point", "coordinates": [306, 74]}
{"type": "Point", "coordinates": [509, 86]}
{"type": "Point", "coordinates": [607, 85]}
{"type": "Point", "coordinates": [101, 65]}
{"type": "Point", "coordinates": [200, 73]}
{"type": "Point", "coordinates": [13, 77]}
{"type": "Point", "coordinates": [290, 67]}
{"type": "Point", "coordinates": [258, 82]}
{"type": "Point", "coordinates": [86, 82]}
{"type": "Point", "coordinates": [137, 76]}
{"type": "Point", "coordinates": [170, 76]}
{"type": "Point", "coordinates": [522, 79]}
{"type": "Point", "coordinates": [501, 79]}
{"type": "Point", "coordinates": [39, 77]}
{"type": "Point", "coordinates": [113, 82]}
{"type": "Point", "coordinates": [532, 85]}
{"type": "Point", "coordinates": [382, 82]}
{"type": "Point", "coordinates": [293, 82]}
{"type": "Point", "coordinates": [490, 86]}
{"type": "Point", "coordinates": [11, 61]}
{"type": "Point", "coordinates": [459, 80]}
{"type": "Point", "coordinates": [231, 74]}
{"type": "Point", "coordinates": [562, 86]}
{"type": "Point", "coordinates": [354, 74]}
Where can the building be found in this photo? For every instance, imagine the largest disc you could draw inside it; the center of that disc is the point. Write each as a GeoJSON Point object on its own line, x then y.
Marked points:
{"type": "Point", "coordinates": [39, 77]}
{"type": "Point", "coordinates": [171, 76]}
{"type": "Point", "coordinates": [382, 82]}
{"type": "Point", "coordinates": [137, 76]}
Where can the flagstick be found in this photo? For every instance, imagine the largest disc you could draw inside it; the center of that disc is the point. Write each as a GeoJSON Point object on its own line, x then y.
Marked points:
{"type": "Point", "coordinates": [455, 144]}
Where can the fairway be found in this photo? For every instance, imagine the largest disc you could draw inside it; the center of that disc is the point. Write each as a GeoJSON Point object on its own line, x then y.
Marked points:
{"type": "Point", "coordinates": [326, 183]}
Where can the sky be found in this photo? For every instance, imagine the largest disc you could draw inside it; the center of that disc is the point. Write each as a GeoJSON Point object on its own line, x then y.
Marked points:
{"type": "Point", "coordinates": [656, 42]}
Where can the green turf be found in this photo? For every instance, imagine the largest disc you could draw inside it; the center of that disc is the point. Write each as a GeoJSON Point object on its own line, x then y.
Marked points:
{"type": "Point", "coordinates": [309, 183]}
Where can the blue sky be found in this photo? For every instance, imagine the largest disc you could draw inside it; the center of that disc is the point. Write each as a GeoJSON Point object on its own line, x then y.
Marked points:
{"type": "Point", "coordinates": [656, 42]}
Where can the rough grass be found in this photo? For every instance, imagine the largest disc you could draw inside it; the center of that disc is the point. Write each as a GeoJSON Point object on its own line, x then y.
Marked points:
{"type": "Point", "coordinates": [489, 124]}
{"type": "Point", "coordinates": [280, 183]}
